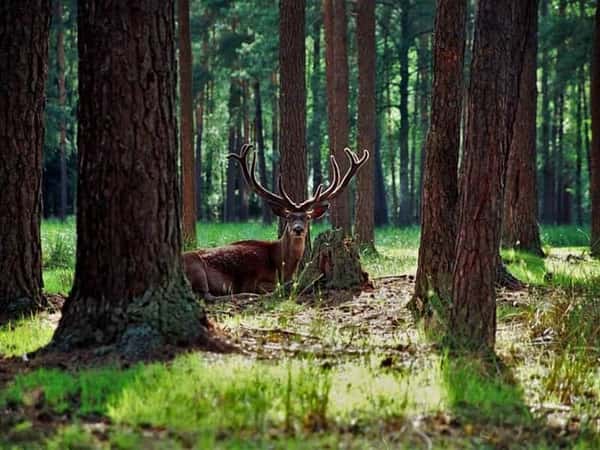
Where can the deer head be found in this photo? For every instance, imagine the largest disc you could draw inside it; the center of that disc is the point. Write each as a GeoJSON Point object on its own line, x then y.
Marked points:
{"type": "Point", "coordinates": [298, 215]}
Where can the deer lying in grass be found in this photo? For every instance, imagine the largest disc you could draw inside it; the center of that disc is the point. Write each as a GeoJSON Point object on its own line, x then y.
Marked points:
{"type": "Point", "coordinates": [256, 266]}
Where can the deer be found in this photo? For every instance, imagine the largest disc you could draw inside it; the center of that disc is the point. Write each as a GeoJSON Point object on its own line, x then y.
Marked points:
{"type": "Point", "coordinates": [253, 266]}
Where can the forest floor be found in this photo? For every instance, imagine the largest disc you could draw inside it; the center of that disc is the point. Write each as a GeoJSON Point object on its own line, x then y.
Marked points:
{"type": "Point", "coordinates": [343, 370]}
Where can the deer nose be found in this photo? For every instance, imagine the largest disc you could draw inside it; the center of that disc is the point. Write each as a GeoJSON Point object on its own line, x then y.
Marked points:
{"type": "Point", "coordinates": [297, 229]}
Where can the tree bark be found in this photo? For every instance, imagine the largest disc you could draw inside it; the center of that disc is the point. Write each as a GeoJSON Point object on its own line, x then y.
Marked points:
{"type": "Point", "coordinates": [365, 42]}
{"type": "Point", "coordinates": [595, 148]}
{"type": "Point", "coordinates": [381, 209]}
{"type": "Point", "coordinates": [292, 100]}
{"type": "Point", "coordinates": [129, 288]}
{"type": "Point", "coordinates": [501, 30]}
{"type": "Point", "coordinates": [519, 225]}
{"type": "Point", "coordinates": [24, 30]}
{"type": "Point", "coordinates": [336, 62]}
{"type": "Point", "coordinates": [188, 172]}
{"type": "Point", "coordinates": [440, 183]}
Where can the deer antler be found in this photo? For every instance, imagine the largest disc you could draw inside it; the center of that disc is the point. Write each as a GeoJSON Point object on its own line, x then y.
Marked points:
{"type": "Point", "coordinates": [335, 187]}
{"type": "Point", "coordinates": [250, 177]}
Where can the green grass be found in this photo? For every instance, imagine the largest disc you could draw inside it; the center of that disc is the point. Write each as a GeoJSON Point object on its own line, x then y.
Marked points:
{"type": "Point", "coordinates": [24, 336]}
{"type": "Point", "coordinates": [237, 402]}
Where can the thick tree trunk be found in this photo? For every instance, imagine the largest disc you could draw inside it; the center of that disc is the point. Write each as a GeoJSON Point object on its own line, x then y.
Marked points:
{"type": "Point", "coordinates": [440, 183]}
{"type": "Point", "coordinates": [315, 130]}
{"type": "Point", "coordinates": [336, 62]}
{"type": "Point", "coordinates": [129, 287]}
{"type": "Point", "coordinates": [519, 225]}
{"type": "Point", "coordinates": [24, 28]}
{"type": "Point", "coordinates": [365, 42]}
{"type": "Point", "coordinates": [292, 101]}
{"type": "Point", "coordinates": [595, 148]}
{"type": "Point", "coordinates": [404, 211]}
{"type": "Point", "coordinates": [501, 32]}
{"type": "Point", "coordinates": [267, 217]}
{"type": "Point", "coordinates": [188, 172]}
{"type": "Point", "coordinates": [62, 100]}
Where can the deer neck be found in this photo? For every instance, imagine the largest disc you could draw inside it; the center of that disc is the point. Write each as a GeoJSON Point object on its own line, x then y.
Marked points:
{"type": "Point", "coordinates": [292, 250]}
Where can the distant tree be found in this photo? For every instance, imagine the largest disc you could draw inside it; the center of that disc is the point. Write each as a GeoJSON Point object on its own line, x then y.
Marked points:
{"type": "Point", "coordinates": [318, 106]}
{"type": "Point", "coordinates": [24, 31]}
{"type": "Point", "coordinates": [336, 62]}
{"type": "Point", "coordinates": [292, 99]}
{"type": "Point", "coordinates": [548, 213]}
{"type": "Point", "coordinates": [519, 225]}
{"type": "Point", "coordinates": [129, 286]}
{"type": "Point", "coordinates": [186, 100]}
{"type": "Point", "coordinates": [440, 183]}
{"type": "Point", "coordinates": [365, 194]}
{"type": "Point", "coordinates": [595, 149]}
{"type": "Point", "coordinates": [404, 213]}
{"type": "Point", "coordinates": [62, 100]}
{"type": "Point", "coordinates": [501, 31]}
{"type": "Point", "coordinates": [266, 214]}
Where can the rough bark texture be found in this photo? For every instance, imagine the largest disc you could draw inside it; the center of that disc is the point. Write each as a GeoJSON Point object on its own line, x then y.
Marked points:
{"type": "Point", "coordinates": [440, 184]}
{"type": "Point", "coordinates": [365, 40]}
{"type": "Point", "coordinates": [334, 264]}
{"type": "Point", "coordinates": [129, 286]}
{"type": "Point", "coordinates": [595, 149]}
{"type": "Point", "coordinates": [62, 100]}
{"type": "Point", "coordinates": [188, 173]}
{"type": "Point", "coordinates": [519, 225]}
{"type": "Point", "coordinates": [501, 30]}
{"type": "Point", "coordinates": [24, 28]}
{"type": "Point", "coordinates": [336, 62]}
{"type": "Point", "coordinates": [292, 98]}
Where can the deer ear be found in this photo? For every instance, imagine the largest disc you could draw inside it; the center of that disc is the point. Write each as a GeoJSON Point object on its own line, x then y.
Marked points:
{"type": "Point", "coordinates": [317, 211]}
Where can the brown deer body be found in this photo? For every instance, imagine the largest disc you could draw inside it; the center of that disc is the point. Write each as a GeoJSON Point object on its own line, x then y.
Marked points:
{"type": "Point", "coordinates": [257, 266]}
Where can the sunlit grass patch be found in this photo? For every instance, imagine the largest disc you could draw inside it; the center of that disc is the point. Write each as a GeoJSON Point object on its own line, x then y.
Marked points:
{"type": "Point", "coordinates": [24, 335]}
{"type": "Point", "coordinates": [481, 393]}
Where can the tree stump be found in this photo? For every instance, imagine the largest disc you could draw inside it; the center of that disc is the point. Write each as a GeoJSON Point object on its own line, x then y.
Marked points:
{"type": "Point", "coordinates": [334, 264]}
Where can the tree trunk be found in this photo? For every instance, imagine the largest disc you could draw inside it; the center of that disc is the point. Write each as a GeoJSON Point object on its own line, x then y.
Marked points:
{"type": "Point", "coordinates": [381, 209]}
{"type": "Point", "coordinates": [595, 148]}
{"type": "Point", "coordinates": [404, 212]}
{"type": "Point", "coordinates": [578, 153]}
{"type": "Point", "coordinates": [519, 225]}
{"type": "Point", "coordinates": [547, 161]}
{"type": "Point", "coordinates": [232, 201]}
{"type": "Point", "coordinates": [315, 130]}
{"type": "Point", "coordinates": [198, 163]}
{"type": "Point", "coordinates": [62, 100]}
{"type": "Point", "coordinates": [129, 288]}
{"type": "Point", "coordinates": [292, 101]}
{"type": "Point", "coordinates": [188, 172]}
{"type": "Point", "coordinates": [24, 29]}
{"type": "Point", "coordinates": [365, 42]}
{"type": "Point", "coordinates": [501, 32]}
{"type": "Point", "coordinates": [274, 131]}
{"type": "Point", "coordinates": [267, 217]}
{"type": "Point", "coordinates": [336, 62]}
{"type": "Point", "coordinates": [440, 183]}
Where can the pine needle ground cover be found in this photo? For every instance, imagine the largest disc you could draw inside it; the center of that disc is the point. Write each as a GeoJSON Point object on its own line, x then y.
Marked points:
{"type": "Point", "coordinates": [323, 371]}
